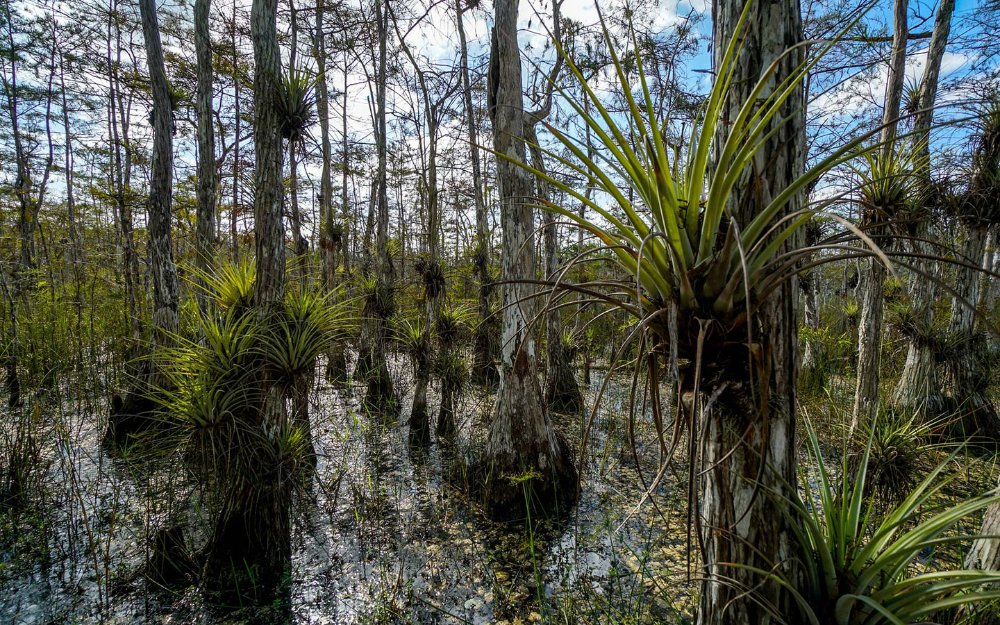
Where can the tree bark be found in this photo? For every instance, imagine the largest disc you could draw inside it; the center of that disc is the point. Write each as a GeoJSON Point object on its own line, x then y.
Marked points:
{"type": "Point", "coordinates": [521, 442]}
{"type": "Point", "coordinates": [486, 347]}
{"type": "Point", "coordinates": [330, 239]}
{"type": "Point", "coordinates": [380, 397]}
{"type": "Point", "coordinates": [205, 226]}
{"type": "Point", "coordinates": [165, 287]}
{"type": "Point", "coordinates": [967, 381]}
{"type": "Point", "coordinates": [749, 446]}
{"type": "Point", "coordinates": [562, 393]}
{"type": "Point", "coordinates": [918, 385]}
{"type": "Point", "coordinates": [238, 122]}
{"type": "Point", "coordinates": [866, 392]}
{"type": "Point", "coordinates": [118, 123]}
{"type": "Point", "coordinates": [250, 551]}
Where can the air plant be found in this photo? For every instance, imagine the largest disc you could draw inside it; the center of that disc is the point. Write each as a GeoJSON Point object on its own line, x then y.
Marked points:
{"type": "Point", "coordinates": [413, 337]}
{"type": "Point", "coordinates": [896, 444]}
{"type": "Point", "coordinates": [984, 185]}
{"type": "Point", "coordinates": [891, 181]}
{"type": "Point", "coordinates": [692, 264]}
{"type": "Point", "coordinates": [296, 104]}
{"type": "Point", "coordinates": [230, 286]}
{"type": "Point", "coordinates": [453, 322]}
{"type": "Point", "coordinates": [305, 329]}
{"type": "Point", "coordinates": [860, 567]}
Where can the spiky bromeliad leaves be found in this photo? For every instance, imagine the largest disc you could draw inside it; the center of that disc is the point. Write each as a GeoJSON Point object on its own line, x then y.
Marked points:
{"type": "Point", "coordinates": [891, 183]}
{"type": "Point", "coordinates": [863, 567]}
{"type": "Point", "coordinates": [699, 276]}
{"type": "Point", "coordinates": [296, 104]}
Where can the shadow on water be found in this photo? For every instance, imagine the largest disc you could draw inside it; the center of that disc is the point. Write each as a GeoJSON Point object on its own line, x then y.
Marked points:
{"type": "Point", "coordinates": [382, 535]}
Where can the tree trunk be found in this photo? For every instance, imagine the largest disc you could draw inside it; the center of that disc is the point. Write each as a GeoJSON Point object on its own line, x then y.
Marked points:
{"type": "Point", "coordinates": [810, 317]}
{"type": "Point", "coordinates": [250, 551]}
{"type": "Point", "coordinates": [330, 240]}
{"type": "Point", "coordinates": [918, 386]}
{"type": "Point", "coordinates": [118, 123]}
{"type": "Point", "coordinates": [967, 372]}
{"type": "Point", "coordinates": [749, 448]}
{"type": "Point", "coordinates": [523, 452]}
{"type": "Point", "coordinates": [165, 287]}
{"type": "Point", "coordinates": [562, 393]}
{"type": "Point", "coordinates": [381, 397]}
{"type": "Point", "coordinates": [344, 169]}
{"type": "Point", "coordinates": [486, 348]}
{"type": "Point", "coordinates": [984, 555]}
{"type": "Point", "coordinates": [205, 227]}
{"type": "Point", "coordinates": [866, 392]}
{"type": "Point", "coordinates": [234, 211]}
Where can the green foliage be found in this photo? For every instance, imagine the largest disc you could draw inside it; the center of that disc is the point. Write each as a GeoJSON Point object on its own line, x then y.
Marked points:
{"type": "Point", "coordinates": [897, 443]}
{"type": "Point", "coordinates": [378, 295]}
{"type": "Point", "coordinates": [231, 285]}
{"type": "Point", "coordinates": [306, 328]}
{"type": "Point", "coordinates": [296, 104]}
{"type": "Point", "coordinates": [453, 323]}
{"type": "Point", "coordinates": [677, 239]}
{"type": "Point", "coordinates": [890, 181]}
{"type": "Point", "coordinates": [833, 354]}
{"type": "Point", "coordinates": [859, 567]}
{"type": "Point", "coordinates": [411, 334]}
{"type": "Point", "coordinates": [453, 369]}
{"type": "Point", "coordinates": [984, 184]}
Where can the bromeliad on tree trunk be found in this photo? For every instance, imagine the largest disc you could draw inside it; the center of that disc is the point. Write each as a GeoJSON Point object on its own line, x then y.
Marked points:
{"type": "Point", "coordinates": [709, 238]}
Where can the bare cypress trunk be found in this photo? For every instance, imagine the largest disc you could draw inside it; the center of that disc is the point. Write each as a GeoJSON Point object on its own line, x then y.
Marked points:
{"type": "Point", "coordinates": [810, 317]}
{"type": "Point", "coordinates": [866, 390]}
{"type": "Point", "coordinates": [984, 555]}
{"type": "Point", "coordinates": [968, 377]}
{"type": "Point", "coordinates": [866, 393]}
{"type": "Point", "coordinates": [234, 211]}
{"type": "Point", "coordinates": [432, 274]}
{"type": "Point", "coordinates": [330, 237]}
{"type": "Point", "coordinates": [76, 250]}
{"type": "Point", "coordinates": [562, 393]}
{"type": "Point", "coordinates": [118, 124]}
{"type": "Point", "coordinates": [521, 441]}
{"type": "Point", "coordinates": [165, 288]}
{"type": "Point", "coordinates": [918, 390]}
{"type": "Point", "coordinates": [749, 445]}
{"type": "Point", "coordinates": [299, 243]}
{"type": "Point", "coordinates": [381, 397]}
{"type": "Point", "coordinates": [30, 195]}
{"type": "Point", "coordinates": [205, 227]}
{"type": "Point", "coordinates": [345, 207]}
{"type": "Point", "coordinates": [918, 386]}
{"type": "Point", "coordinates": [486, 348]}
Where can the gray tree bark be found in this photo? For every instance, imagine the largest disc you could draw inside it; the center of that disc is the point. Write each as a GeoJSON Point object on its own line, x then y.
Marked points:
{"type": "Point", "coordinates": [749, 444]}
{"type": "Point", "coordinates": [330, 239]}
{"type": "Point", "coordinates": [165, 287]}
{"type": "Point", "coordinates": [521, 440]}
{"type": "Point", "coordinates": [381, 397]}
{"type": "Point", "coordinates": [486, 348]}
{"type": "Point", "coordinates": [918, 389]}
{"type": "Point", "coordinates": [866, 393]}
{"type": "Point", "coordinates": [205, 219]}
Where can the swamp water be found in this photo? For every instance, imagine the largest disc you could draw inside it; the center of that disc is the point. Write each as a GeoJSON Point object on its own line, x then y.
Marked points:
{"type": "Point", "coordinates": [379, 537]}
